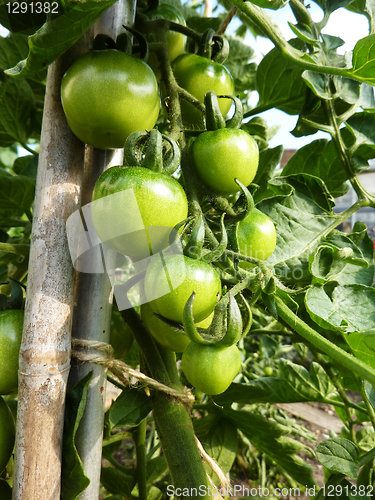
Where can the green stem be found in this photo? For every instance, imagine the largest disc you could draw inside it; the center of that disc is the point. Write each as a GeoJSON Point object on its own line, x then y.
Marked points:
{"type": "Point", "coordinates": [296, 57]}
{"type": "Point", "coordinates": [274, 104]}
{"type": "Point", "coordinates": [114, 438]}
{"type": "Point", "coordinates": [341, 150]}
{"type": "Point", "coordinates": [140, 448]}
{"type": "Point", "coordinates": [25, 146]}
{"type": "Point", "coordinates": [321, 343]}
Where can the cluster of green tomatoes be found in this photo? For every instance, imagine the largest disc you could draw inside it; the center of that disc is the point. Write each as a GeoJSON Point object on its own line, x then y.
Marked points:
{"type": "Point", "coordinates": [112, 99]}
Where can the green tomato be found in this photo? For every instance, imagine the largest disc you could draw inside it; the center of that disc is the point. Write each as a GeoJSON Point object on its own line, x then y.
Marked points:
{"type": "Point", "coordinates": [177, 281]}
{"type": "Point", "coordinates": [11, 324]}
{"type": "Point", "coordinates": [5, 490]}
{"type": "Point", "coordinates": [7, 434]}
{"type": "Point", "coordinates": [164, 334]}
{"type": "Point", "coordinates": [121, 337]}
{"type": "Point", "coordinates": [107, 95]}
{"type": "Point", "coordinates": [211, 368]}
{"type": "Point", "coordinates": [221, 156]}
{"type": "Point", "coordinates": [175, 40]}
{"type": "Point", "coordinates": [198, 75]}
{"type": "Point", "coordinates": [138, 219]}
{"type": "Point", "coordinates": [256, 237]}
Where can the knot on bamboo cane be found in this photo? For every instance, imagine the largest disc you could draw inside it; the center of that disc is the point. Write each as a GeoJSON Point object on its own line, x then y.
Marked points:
{"type": "Point", "coordinates": [120, 370]}
{"type": "Point", "coordinates": [125, 373]}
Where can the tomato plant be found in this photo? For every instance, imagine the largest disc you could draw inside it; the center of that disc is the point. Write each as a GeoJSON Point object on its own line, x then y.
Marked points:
{"type": "Point", "coordinates": [107, 95]}
{"type": "Point", "coordinates": [175, 41]}
{"type": "Point", "coordinates": [221, 156]}
{"type": "Point", "coordinates": [7, 433]}
{"type": "Point", "coordinates": [156, 203]}
{"type": "Point", "coordinates": [211, 368]}
{"type": "Point", "coordinates": [184, 276]}
{"type": "Point", "coordinates": [11, 324]}
{"type": "Point", "coordinates": [301, 326]}
{"type": "Point", "coordinates": [198, 75]}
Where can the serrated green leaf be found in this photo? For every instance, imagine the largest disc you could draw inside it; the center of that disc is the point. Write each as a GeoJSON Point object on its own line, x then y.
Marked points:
{"type": "Point", "coordinates": [118, 481]}
{"type": "Point", "coordinates": [16, 193]}
{"type": "Point", "coordinates": [300, 221]}
{"type": "Point", "coordinates": [221, 444]}
{"type": "Point", "coordinates": [363, 60]}
{"type": "Point", "coordinates": [322, 310]}
{"type": "Point", "coordinates": [366, 7]}
{"type": "Point", "coordinates": [73, 478]}
{"type": "Point", "coordinates": [362, 126]}
{"type": "Point", "coordinates": [57, 35]}
{"type": "Point", "coordinates": [157, 469]}
{"type": "Point", "coordinates": [269, 438]}
{"type": "Point", "coordinates": [17, 105]}
{"type": "Point", "coordinates": [130, 408]}
{"type": "Point", "coordinates": [339, 455]}
{"type": "Point", "coordinates": [303, 32]}
{"type": "Point", "coordinates": [356, 305]}
{"type": "Point", "coordinates": [362, 345]}
{"type": "Point", "coordinates": [319, 84]}
{"type": "Point", "coordinates": [293, 385]}
{"type": "Point", "coordinates": [320, 158]}
{"type": "Point", "coordinates": [268, 161]}
{"type": "Point", "coordinates": [279, 84]}
{"type": "Point", "coordinates": [363, 248]}
{"type": "Point", "coordinates": [12, 49]}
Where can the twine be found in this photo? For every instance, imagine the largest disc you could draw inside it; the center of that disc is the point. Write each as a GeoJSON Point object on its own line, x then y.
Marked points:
{"type": "Point", "coordinates": [124, 374]}
{"type": "Point", "coordinates": [121, 370]}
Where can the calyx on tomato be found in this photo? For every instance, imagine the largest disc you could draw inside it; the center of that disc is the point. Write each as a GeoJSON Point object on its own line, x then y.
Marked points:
{"type": "Point", "coordinates": [223, 154]}
{"type": "Point", "coordinates": [211, 368]}
{"type": "Point", "coordinates": [107, 95]}
{"type": "Point", "coordinates": [134, 209]}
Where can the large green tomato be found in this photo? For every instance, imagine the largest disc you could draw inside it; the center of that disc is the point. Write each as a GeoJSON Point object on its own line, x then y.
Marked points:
{"type": "Point", "coordinates": [177, 280]}
{"type": "Point", "coordinates": [198, 75]}
{"type": "Point", "coordinates": [121, 337]}
{"type": "Point", "coordinates": [137, 219]}
{"type": "Point", "coordinates": [107, 95]}
{"type": "Point", "coordinates": [256, 237]}
{"type": "Point", "coordinates": [220, 156]}
{"type": "Point", "coordinates": [5, 490]}
{"type": "Point", "coordinates": [11, 324]}
{"type": "Point", "coordinates": [7, 433]}
{"type": "Point", "coordinates": [175, 40]}
{"type": "Point", "coordinates": [164, 334]}
{"type": "Point", "coordinates": [211, 368]}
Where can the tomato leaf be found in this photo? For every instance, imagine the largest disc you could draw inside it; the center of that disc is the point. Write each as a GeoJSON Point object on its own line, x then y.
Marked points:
{"type": "Point", "coordinates": [362, 345]}
{"type": "Point", "coordinates": [73, 478]}
{"type": "Point", "coordinates": [12, 49]}
{"type": "Point", "coordinates": [57, 35]}
{"type": "Point", "coordinates": [364, 60]}
{"type": "Point", "coordinates": [339, 455]}
{"type": "Point", "coordinates": [17, 105]}
{"type": "Point", "coordinates": [269, 437]}
{"type": "Point", "coordinates": [16, 194]}
{"type": "Point", "coordinates": [293, 385]}
{"type": "Point", "coordinates": [130, 408]}
{"type": "Point", "coordinates": [118, 481]}
{"type": "Point", "coordinates": [350, 307]}
{"type": "Point", "coordinates": [320, 158]}
{"type": "Point", "coordinates": [221, 444]}
{"type": "Point", "coordinates": [279, 84]}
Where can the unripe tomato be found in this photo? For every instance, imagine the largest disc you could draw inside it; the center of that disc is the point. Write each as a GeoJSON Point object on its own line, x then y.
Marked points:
{"type": "Point", "coordinates": [5, 490]}
{"type": "Point", "coordinates": [164, 334]}
{"type": "Point", "coordinates": [7, 433]}
{"type": "Point", "coordinates": [175, 40]}
{"type": "Point", "coordinates": [222, 155]}
{"type": "Point", "coordinates": [137, 221]}
{"type": "Point", "coordinates": [107, 95]}
{"type": "Point", "coordinates": [121, 337]}
{"type": "Point", "coordinates": [198, 75]}
{"type": "Point", "coordinates": [256, 237]}
{"type": "Point", "coordinates": [11, 324]}
{"type": "Point", "coordinates": [177, 281]}
{"type": "Point", "coordinates": [211, 368]}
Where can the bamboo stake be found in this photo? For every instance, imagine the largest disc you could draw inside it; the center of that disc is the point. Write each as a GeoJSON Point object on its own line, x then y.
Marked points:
{"type": "Point", "coordinates": [92, 314]}
{"type": "Point", "coordinates": [45, 350]}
